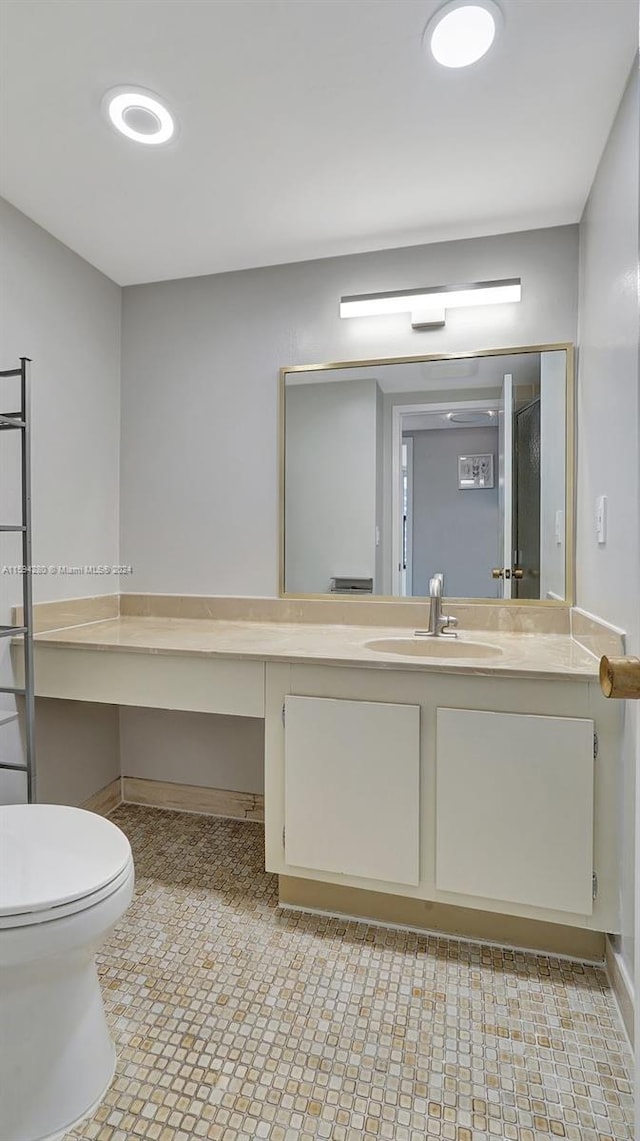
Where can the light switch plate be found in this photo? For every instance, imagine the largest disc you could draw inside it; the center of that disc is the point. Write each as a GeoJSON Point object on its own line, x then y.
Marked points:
{"type": "Point", "coordinates": [601, 519]}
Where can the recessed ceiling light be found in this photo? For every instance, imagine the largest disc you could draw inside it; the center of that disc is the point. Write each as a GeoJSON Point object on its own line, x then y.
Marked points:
{"type": "Point", "coordinates": [462, 31]}
{"type": "Point", "coordinates": [139, 115]}
{"type": "Point", "coordinates": [469, 417]}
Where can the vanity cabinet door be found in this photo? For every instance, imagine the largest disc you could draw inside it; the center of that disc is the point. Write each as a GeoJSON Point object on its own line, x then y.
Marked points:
{"type": "Point", "coordinates": [514, 808]}
{"type": "Point", "coordinates": [352, 776]}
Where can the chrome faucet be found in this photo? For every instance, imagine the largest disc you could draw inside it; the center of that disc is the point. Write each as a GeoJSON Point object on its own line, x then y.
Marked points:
{"type": "Point", "coordinates": [439, 623]}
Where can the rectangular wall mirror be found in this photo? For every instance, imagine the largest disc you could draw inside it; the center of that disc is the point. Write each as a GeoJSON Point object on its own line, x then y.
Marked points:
{"type": "Point", "coordinates": [395, 470]}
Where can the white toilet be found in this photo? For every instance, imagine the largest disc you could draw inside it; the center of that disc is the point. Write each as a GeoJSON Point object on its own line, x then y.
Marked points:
{"type": "Point", "coordinates": [66, 878]}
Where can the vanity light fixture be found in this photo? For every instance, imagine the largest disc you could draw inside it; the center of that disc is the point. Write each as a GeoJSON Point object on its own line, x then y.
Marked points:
{"type": "Point", "coordinates": [428, 306]}
{"type": "Point", "coordinates": [139, 115]}
{"type": "Point", "coordinates": [462, 31]}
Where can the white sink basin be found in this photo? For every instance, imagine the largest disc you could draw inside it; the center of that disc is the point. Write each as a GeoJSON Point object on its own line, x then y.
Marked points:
{"type": "Point", "coordinates": [434, 648]}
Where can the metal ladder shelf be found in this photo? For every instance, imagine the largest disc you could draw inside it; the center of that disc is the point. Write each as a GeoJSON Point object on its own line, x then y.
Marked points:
{"type": "Point", "coordinates": [20, 421]}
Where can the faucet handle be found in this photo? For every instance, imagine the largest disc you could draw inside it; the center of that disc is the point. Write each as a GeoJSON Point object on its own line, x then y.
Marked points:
{"type": "Point", "coordinates": [435, 586]}
{"type": "Point", "coordinates": [447, 622]}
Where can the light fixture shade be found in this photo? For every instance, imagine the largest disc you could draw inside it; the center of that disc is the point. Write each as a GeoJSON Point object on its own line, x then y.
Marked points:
{"type": "Point", "coordinates": [139, 115]}
{"type": "Point", "coordinates": [431, 299]}
{"type": "Point", "coordinates": [462, 31]}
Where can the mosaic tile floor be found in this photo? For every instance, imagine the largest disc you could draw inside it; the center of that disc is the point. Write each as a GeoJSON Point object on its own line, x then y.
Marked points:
{"type": "Point", "coordinates": [234, 1021]}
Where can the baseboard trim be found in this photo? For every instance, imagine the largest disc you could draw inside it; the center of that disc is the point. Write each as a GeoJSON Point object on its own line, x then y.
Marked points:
{"type": "Point", "coordinates": [193, 798]}
{"type": "Point", "coordinates": [106, 800]}
{"type": "Point", "coordinates": [623, 989]}
{"type": "Point", "coordinates": [442, 919]}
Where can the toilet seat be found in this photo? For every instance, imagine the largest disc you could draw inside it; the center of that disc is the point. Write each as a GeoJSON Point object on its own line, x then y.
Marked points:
{"type": "Point", "coordinates": [60, 911]}
{"type": "Point", "coordinates": [56, 861]}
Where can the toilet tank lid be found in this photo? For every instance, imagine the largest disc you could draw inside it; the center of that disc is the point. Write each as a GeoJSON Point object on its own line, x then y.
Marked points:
{"type": "Point", "coordinates": [51, 854]}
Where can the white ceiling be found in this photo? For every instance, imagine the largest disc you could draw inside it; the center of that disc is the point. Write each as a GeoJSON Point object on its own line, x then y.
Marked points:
{"type": "Point", "coordinates": [462, 373]}
{"type": "Point", "coordinates": [308, 127]}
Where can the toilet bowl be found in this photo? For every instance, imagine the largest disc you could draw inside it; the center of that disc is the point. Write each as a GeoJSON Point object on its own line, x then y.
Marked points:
{"type": "Point", "coordinates": [66, 878]}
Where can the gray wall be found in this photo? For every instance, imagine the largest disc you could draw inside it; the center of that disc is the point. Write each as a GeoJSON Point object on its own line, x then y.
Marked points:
{"type": "Point", "coordinates": [199, 458]}
{"type": "Point", "coordinates": [78, 749]}
{"type": "Point", "coordinates": [58, 310]}
{"type": "Point", "coordinates": [199, 377]}
{"type": "Point", "coordinates": [200, 364]}
{"type": "Point", "coordinates": [331, 481]}
{"type": "Point", "coordinates": [608, 429]}
{"type": "Point", "coordinates": [453, 531]}
{"type": "Point", "coordinates": [193, 748]}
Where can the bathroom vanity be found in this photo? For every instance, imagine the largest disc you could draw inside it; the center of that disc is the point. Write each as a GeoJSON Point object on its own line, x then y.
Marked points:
{"type": "Point", "coordinates": [461, 789]}
{"type": "Point", "coordinates": [479, 773]}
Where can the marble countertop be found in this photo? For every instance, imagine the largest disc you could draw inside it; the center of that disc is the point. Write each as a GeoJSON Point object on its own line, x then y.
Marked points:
{"type": "Point", "coordinates": [543, 656]}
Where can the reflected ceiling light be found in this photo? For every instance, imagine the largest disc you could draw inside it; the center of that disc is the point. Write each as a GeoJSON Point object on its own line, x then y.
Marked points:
{"type": "Point", "coordinates": [462, 31]}
{"type": "Point", "coordinates": [470, 417]}
{"type": "Point", "coordinates": [139, 115]}
{"type": "Point", "coordinates": [428, 306]}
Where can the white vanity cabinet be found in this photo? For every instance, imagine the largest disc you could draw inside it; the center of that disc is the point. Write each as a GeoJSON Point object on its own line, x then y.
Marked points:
{"type": "Point", "coordinates": [443, 785]}
{"type": "Point", "coordinates": [514, 808]}
{"type": "Point", "coordinates": [351, 787]}
{"type": "Point", "coordinates": [475, 791]}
